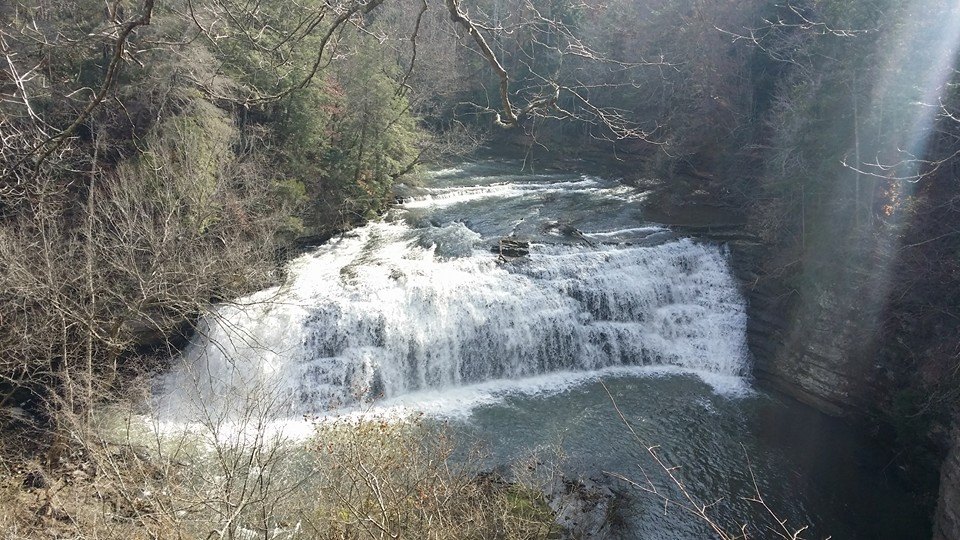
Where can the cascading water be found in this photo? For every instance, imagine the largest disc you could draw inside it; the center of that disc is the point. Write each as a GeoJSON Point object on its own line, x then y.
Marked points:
{"type": "Point", "coordinates": [416, 312]}
{"type": "Point", "coordinates": [419, 302]}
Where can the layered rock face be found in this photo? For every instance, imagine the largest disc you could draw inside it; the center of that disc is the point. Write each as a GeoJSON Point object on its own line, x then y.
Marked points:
{"type": "Point", "coordinates": [816, 349]}
{"type": "Point", "coordinates": [821, 346]}
{"type": "Point", "coordinates": [814, 345]}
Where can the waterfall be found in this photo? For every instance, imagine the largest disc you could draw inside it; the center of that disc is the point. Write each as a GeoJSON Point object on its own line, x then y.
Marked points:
{"type": "Point", "coordinates": [394, 308]}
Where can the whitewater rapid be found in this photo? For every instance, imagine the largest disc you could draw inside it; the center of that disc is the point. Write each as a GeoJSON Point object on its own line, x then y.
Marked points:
{"type": "Point", "coordinates": [416, 309]}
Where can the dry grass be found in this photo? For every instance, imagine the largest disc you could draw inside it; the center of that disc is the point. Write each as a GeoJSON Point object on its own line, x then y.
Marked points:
{"type": "Point", "coordinates": [403, 480]}
{"type": "Point", "coordinates": [353, 480]}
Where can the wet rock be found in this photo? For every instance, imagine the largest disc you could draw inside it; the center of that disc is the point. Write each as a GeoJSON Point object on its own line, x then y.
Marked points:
{"type": "Point", "coordinates": [562, 227]}
{"type": "Point", "coordinates": [567, 229]}
{"type": "Point", "coordinates": [947, 525]}
{"type": "Point", "coordinates": [584, 508]}
{"type": "Point", "coordinates": [512, 248]}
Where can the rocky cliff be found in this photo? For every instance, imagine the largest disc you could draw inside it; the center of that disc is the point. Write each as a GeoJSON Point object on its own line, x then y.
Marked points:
{"type": "Point", "coordinates": [815, 344]}
{"type": "Point", "coordinates": [845, 324]}
{"type": "Point", "coordinates": [824, 341]}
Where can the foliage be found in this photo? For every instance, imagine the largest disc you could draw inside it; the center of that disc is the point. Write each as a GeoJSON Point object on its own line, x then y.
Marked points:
{"type": "Point", "coordinates": [372, 137]}
{"type": "Point", "coordinates": [157, 190]}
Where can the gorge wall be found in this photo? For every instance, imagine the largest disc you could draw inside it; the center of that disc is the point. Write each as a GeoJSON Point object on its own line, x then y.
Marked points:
{"type": "Point", "coordinates": [831, 334]}
{"type": "Point", "coordinates": [812, 345]}
{"type": "Point", "coordinates": [854, 328]}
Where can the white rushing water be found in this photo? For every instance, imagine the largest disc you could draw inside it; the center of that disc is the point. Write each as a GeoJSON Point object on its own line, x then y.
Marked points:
{"type": "Point", "coordinates": [392, 311]}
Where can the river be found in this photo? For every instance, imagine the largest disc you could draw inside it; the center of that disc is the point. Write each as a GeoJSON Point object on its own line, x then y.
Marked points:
{"type": "Point", "coordinates": [418, 311]}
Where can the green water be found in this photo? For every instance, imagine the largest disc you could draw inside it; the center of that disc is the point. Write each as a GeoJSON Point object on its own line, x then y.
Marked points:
{"type": "Point", "coordinates": [812, 470]}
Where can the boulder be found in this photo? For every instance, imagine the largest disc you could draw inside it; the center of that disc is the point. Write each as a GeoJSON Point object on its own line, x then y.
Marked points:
{"type": "Point", "coordinates": [511, 248]}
